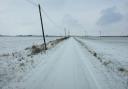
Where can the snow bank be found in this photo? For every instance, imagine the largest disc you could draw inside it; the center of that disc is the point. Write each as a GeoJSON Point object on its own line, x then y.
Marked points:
{"type": "Point", "coordinates": [112, 54]}
{"type": "Point", "coordinates": [12, 44]}
{"type": "Point", "coordinates": [14, 65]}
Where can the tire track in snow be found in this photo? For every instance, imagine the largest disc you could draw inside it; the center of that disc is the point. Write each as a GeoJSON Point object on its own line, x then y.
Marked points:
{"type": "Point", "coordinates": [110, 78]}
{"type": "Point", "coordinates": [71, 72]}
{"type": "Point", "coordinates": [43, 68]}
{"type": "Point", "coordinates": [63, 70]}
{"type": "Point", "coordinates": [86, 65]}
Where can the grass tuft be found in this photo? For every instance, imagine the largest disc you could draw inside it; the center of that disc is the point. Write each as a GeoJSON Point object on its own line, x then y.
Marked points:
{"type": "Point", "coordinates": [36, 49]}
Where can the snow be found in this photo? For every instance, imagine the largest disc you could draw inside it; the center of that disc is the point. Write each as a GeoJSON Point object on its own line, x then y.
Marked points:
{"type": "Point", "coordinates": [66, 68]}
{"type": "Point", "coordinates": [12, 44]}
{"type": "Point", "coordinates": [111, 48]}
{"type": "Point", "coordinates": [15, 62]}
{"type": "Point", "coordinates": [115, 47]}
{"type": "Point", "coordinates": [69, 65]}
{"type": "Point", "coordinates": [113, 54]}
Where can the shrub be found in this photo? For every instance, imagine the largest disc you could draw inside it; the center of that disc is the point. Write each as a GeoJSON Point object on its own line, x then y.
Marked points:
{"type": "Point", "coordinates": [95, 54]}
{"type": "Point", "coordinates": [35, 49]}
{"type": "Point", "coordinates": [121, 69]}
{"type": "Point", "coordinates": [22, 64]}
{"type": "Point", "coordinates": [6, 54]}
{"type": "Point", "coordinates": [107, 62]}
{"type": "Point", "coordinates": [34, 46]}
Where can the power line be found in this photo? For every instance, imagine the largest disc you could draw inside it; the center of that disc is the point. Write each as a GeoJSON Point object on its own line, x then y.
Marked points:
{"type": "Point", "coordinates": [48, 17]}
{"type": "Point", "coordinates": [32, 3]}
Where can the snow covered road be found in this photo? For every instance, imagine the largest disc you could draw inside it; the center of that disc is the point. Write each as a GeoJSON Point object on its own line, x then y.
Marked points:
{"type": "Point", "coordinates": [67, 68]}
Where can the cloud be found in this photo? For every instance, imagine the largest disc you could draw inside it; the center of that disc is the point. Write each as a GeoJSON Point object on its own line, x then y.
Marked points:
{"type": "Point", "coordinates": [110, 16]}
{"type": "Point", "coordinates": [21, 17]}
{"type": "Point", "coordinates": [73, 24]}
{"type": "Point", "coordinates": [55, 4]}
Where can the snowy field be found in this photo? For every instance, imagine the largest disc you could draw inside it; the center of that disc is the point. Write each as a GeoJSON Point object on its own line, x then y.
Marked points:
{"type": "Point", "coordinates": [12, 44]}
{"type": "Point", "coordinates": [75, 63]}
{"type": "Point", "coordinates": [112, 53]}
{"type": "Point", "coordinates": [15, 60]}
{"type": "Point", "coordinates": [113, 48]}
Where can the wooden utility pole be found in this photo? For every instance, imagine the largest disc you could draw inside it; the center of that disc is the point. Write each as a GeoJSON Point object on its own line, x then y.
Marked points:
{"type": "Point", "coordinates": [42, 26]}
{"type": "Point", "coordinates": [68, 33]}
{"type": "Point", "coordinates": [85, 34]}
{"type": "Point", "coordinates": [65, 32]}
{"type": "Point", "coordinates": [100, 34]}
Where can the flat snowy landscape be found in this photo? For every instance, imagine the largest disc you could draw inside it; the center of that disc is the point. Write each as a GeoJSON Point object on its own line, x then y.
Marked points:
{"type": "Point", "coordinates": [112, 54]}
{"type": "Point", "coordinates": [73, 63]}
{"type": "Point", "coordinates": [63, 44]}
{"type": "Point", "coordinates": [11, 44]}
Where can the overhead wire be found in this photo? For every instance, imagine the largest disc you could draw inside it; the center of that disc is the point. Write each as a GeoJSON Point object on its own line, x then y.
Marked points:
{"type": "Point", "coordinates": [51, 20]}
{"type": "Point", "coordinates": [44, 11]}
{"type": "Point", "coordinates": [32, 3]}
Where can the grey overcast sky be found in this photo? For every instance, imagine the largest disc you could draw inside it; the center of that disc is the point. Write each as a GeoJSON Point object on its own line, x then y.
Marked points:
{"type": "Point", "coordinates": [79, 16]}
